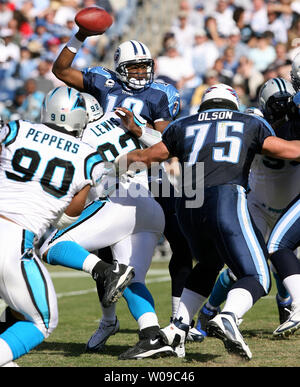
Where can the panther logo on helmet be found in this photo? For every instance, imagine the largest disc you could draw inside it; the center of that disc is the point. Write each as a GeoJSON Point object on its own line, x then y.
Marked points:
{"type": "Point", "coordinates": [65, 107]}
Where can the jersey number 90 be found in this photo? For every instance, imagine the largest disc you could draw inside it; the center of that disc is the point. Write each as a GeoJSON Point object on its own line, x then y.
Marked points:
{"type": "Point", "coordinates": [27, 173]}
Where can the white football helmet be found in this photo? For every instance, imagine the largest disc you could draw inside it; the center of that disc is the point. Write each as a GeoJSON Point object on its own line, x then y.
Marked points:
{"type": "Point", "coordinates": [130, 53]}
{"type": "Point", "coordinates": [274, 98]}
{"type": "Point", "coordinates": [295, 72]}
{"type": "Point", "coordinates": [220, 96]}
{"type": "Point", "coordinates": [93, 108]}
{"type": "Point", "coordinates": [65, 107]}
{"type": "Point", "coordinates": [254, 111]}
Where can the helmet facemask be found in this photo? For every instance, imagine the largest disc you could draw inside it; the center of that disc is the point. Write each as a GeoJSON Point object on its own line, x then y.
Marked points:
{"type": "Point", "coordinates": [274, 98]}
{"type": "Point", "coordinates": [128, 57]}
{"type": "Point", "coordinates": [138, 79]}
{"type": "Point", "coordinates": [277, 106]}
{"type": "Point", "coordinates": [295, 81]}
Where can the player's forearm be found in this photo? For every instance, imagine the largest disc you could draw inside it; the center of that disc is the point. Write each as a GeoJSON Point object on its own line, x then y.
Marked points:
{"type": "Point", "coordinates": [63, 63]}
{"type": "Point", "coordinates": [62, 67]}
{"type": "Point", "coordinates": [123, 162]}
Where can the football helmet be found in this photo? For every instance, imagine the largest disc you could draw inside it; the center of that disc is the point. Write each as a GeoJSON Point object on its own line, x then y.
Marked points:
{"type": "Point", "coordinates": [220, 96]}
{"type": "Point", "coordinates": [93, 107]}
{"type": "Point", "coordinates": [130, 53]}
{"type": "Point", "coordinates": [254, 111]}
{"type": "Point", "coordinates": [274, 98]}
{"type": "Point", "coordinates": [65, 107]}
{"type": "Point", "coordinates": [295, 72]}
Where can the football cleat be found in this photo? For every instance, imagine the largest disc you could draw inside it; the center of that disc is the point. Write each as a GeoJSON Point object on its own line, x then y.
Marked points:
{"type": "Point", "coordinates": [284, 309]}
{"type": "Point", "coordinates": [291, 324]}
{"type": "Point", "coordinates": [148, 348]}
{"type": "Point", "coordinates": [175, 335]}
{"type": "Point", "coordinates": [194, 335]}
{"type": "Point", "coordinates": [205, 315]}
{"type": "Point", "coordinates": [224, 326]}
{"type": "Point", "coordinates": [97, 342]}
{"type": "Point", "coordinates": [10, 364]}
{"type": "Point", "coordinates": [116, 278]}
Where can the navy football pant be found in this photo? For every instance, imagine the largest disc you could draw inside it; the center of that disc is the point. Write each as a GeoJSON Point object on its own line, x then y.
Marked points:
{"type": "Point", "coordinates": [222, 232]}
{"type": "Point", "coordinates": [284, 239]}
{"type": "Point", "coordinates": [181, 261]}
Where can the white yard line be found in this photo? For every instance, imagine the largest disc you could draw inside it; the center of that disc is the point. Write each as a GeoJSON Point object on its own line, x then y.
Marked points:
{"type": "Point", "coordinates": [77, 273]}
{"type": "Point", "coordinates": [61, 274]}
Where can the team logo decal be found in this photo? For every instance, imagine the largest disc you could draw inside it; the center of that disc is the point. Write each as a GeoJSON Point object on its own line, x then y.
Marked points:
{"type": "Point", "coordinates": [109, 83]}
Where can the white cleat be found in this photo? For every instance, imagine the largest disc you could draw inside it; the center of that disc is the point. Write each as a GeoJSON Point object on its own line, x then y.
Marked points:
{"type": "Point", "coordinates": [10, 364]}
{"type": "Point", "coordinates": [291, 324]}
{"type": "Point", "coordinates": [225, 327]}
{"type": "Point", "coordinates": [175, 335]}
{"type": "Point", "coordinates": [195, 336]}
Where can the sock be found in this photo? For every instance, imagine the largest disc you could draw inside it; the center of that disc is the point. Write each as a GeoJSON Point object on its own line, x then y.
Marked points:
{"type": "Point", "coordinates": [221, 289]}
{"type": "Point", "coordinates": [147, 320]}
{"type": "Point", "coordinates": [283, 294]}
{"type": "Point", "coordinates": [139, 300]}
{"type": "Point", "coordinates": [211, 307]}
{"type": "Point", "coordinates": [68, 254]}
{"type": "Point", "coordinates": [89, 263]}
{"type": "Point", "coordinates": [6, 354]}
{"type": "Point", "coordinates": [175, 305]}
{"type": "Point", "coordinates": [20, 338]}
{"type": "Point", "coordinates": [292, 283]}
{"type": "Point", "coordinates": [190, 302]}
{"type": "Point", "coordinates": [109, 314]}
{"type": "Point", "coordinates": [239, 301]}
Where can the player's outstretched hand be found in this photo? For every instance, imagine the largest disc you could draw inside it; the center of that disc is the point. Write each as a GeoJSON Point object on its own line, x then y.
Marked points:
{"type": "Point", "coordinates": [82, 34]}
{"type": "Point", "coordinates": [128, 120]}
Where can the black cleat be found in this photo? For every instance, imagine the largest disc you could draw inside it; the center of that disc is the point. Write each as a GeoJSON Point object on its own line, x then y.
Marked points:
{"type": "Point", "coordinates": [148, 348]}
{"type": "Point", "coordinates": [115, 279]}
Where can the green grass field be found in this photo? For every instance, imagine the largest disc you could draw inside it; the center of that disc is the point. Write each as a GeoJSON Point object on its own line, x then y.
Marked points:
{"type": "Point", "coordinates": [79, 315]}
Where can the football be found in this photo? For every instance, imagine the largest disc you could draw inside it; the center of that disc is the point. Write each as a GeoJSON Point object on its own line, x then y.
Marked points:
{"type": "Point", "coordinates": [94, 20]}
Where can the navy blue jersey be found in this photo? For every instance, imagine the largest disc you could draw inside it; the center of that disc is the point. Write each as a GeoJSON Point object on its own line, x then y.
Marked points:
{"type": "Point", "coordinates": [157, 101]}
{"type": "Point", "coordinates": [225, 141]}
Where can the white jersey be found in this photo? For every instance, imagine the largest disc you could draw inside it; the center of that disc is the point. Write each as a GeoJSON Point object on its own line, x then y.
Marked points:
{"type": "Point", "coordinates": [41, 169]}
{"type": "Point", "coordinates": [275, 182]}
{"type": "Point", "coordinates": [111, 139]}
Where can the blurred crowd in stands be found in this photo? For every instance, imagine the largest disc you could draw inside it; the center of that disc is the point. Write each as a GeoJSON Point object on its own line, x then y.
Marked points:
{"type": "Point", "coordinates": [239, 42]}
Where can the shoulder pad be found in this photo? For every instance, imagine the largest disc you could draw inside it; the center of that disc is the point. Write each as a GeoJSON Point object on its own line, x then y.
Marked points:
{"type": "Point", "coordinates": [101, 71]}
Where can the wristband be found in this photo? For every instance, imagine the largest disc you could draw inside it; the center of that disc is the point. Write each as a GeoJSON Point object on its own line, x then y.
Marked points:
{"type": "Point", "coordinates": [149, 136]}
{"type": "Point", "coordinates": [65, 221]}
{"type": "Point", "coordinates": [74, 44]}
